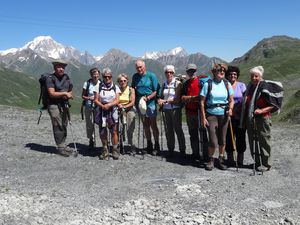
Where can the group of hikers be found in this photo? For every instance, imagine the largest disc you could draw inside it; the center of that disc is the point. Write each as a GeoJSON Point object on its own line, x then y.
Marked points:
{"type": "Point", "coordinates": [219, 111]}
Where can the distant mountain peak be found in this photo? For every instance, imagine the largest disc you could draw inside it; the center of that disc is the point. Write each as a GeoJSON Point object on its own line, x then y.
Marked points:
{"type": "Point", "coordinates": [178, 51]}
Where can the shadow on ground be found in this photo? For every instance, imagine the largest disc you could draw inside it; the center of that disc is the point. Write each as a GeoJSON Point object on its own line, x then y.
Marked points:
{"type": "Point", "coordinates": [82, 149]}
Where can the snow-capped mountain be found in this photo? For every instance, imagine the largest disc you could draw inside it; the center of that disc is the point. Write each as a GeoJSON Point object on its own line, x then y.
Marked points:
{"type": "Point", "coordinates": [35, 58]}
{"type": "Point", "coordinates": [48, 49]}
{"type": "Point", "coordinates": [178, 51]}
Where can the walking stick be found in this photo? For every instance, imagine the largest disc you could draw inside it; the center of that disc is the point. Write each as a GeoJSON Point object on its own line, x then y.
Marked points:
{"type": "Point", "coordinates": [94, 130]}
{"type": "Point", "coordinates": [124, 124]}
{"type": "Point", "coordinates": [233, 144]}
{"type": "Point", "coordinates": [71, 128]}
{"type": "Point", "coordinates": [143, 151]}
{"type": "Point", "coordinates": [41, 111]}
{"type": "Point", "coordinates": [161, 129]}
{"type": "Point", "coordinates": [256, 145]}
{"type": "Point", "coordinates": [201, 150]}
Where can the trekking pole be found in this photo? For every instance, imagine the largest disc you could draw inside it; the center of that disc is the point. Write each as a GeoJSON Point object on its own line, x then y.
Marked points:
{"type": "Point", "coordinates": [161, 130]}
{"type": "Point", "coordinates": [81, 111]}
{"type": "Point", "coordinates": [257, 146]}
{"type": "Point", "coordinates": [201, 150]}
{"type": "Point", "coordinates": [139, 129]}
{"type": "Point", "coordinates": [233, 144]}
{"type": "Point", "coordinates": [94, 130]}
{"type": "Point", "coordinates": [71, 128]}
{"type": "Point", "coordinates": [39, 119]}
{"type": "Point", "coordinates": [143, 122]}
{"type": "Point", "coordinates": [120, 131]}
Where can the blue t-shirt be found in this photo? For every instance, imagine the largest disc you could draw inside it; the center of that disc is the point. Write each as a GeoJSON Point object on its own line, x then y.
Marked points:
{"type": "Point", "coordinates": [218, 95]}
{"type": "Point", "coordinates": [145, 85]}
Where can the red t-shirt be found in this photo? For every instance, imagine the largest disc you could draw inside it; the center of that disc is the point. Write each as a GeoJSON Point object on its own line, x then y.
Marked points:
{"type": "Point", "coordinates": [193, 89]}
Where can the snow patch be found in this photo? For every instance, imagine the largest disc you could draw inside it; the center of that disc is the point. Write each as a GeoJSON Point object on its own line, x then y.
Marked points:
{"type": "Point", "coordinates": [8, 51]}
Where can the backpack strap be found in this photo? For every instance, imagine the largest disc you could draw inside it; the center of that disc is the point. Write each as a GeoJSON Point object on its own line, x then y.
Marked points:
{"type": "Point", "coordinates": [107, 89]}
{"type": "Point", "coordinates": [209, 88]}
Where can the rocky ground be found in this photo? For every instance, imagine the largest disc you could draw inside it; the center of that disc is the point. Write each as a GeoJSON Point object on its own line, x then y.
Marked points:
{"type": "Point", "coordinates": [37, 186]}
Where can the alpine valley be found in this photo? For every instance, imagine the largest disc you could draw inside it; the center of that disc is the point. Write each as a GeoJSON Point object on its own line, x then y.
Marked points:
{"type": "Point", "coordinates": [20, 68]}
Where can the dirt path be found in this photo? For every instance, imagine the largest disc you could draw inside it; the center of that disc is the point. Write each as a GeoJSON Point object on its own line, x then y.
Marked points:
{"type": "Point", "coordinates": [38, 186]}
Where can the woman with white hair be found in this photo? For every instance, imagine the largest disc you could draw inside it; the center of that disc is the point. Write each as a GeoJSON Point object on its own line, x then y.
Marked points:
{"type": "Point", "coordinates": [256, 113]}
{"type": "Point", "coordinates": [107, 100]}
{"type": "Point", "coordinates": [170, 103]}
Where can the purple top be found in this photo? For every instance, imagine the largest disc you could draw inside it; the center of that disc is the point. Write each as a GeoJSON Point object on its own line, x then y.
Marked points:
{"type": "Point", "coordinates": [239, 91]}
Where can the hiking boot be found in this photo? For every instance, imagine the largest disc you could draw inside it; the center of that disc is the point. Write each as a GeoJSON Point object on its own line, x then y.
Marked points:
{"type": "Point", "coordinates": [262, 168]}
{"type": "Point", "coordinates": [104, 154]}
{"type": "Point", "coordinates": [122, 149]}
{"type": "Point", "coordinates": [195, 156]}
{"type": "Point", "coordinates": [65, 151]}
{"type": "Point", "coordinates": [171, 153]}
{"type": "Point", "coordinates": [182, 155]}
{"type": "Point", "coordinates": [156, 149]}
{"type": "Point", "coordinates": [240, 158]}
{"type": "Point", "coordinates": [91, 143]}
{"type": "Point", "coordinates": [230, 159]}
{"type": "Point", "coordinates": [222, 165]}
{"type": "Point", "coordinates": [149, 148]}
{"type": "Point", "coordinates": [210, 165]}
{"type": "Point", "coordinates": [115, 153]}
{"type": "Point", "coordinates": [132, 150]}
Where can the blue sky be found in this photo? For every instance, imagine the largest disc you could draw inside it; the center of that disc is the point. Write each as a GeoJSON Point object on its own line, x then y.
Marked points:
{"type": "Point", "coordinates": [225, 29]}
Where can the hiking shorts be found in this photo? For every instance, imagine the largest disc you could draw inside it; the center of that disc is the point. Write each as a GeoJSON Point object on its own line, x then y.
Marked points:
{"type": "Point", "coordinates": [217, 129]}
{"type": "Point", "coordinates": [151, 111]}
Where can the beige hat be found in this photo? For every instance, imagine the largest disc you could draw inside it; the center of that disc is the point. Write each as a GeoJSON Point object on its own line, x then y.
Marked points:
{"type": "Point", "coordinates": [191, 66]}
{"type": "Point", "coordinates": [59, 62]}
{"type": "Point", "coordinates": [142, 106]}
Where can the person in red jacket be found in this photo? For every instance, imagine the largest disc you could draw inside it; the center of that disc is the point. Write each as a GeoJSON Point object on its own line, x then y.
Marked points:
{"type": "Point", "coordinates": [190, 97]}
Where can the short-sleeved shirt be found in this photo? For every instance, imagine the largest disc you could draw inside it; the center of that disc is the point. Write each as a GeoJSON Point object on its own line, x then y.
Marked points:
{"type": "Point", "coordinates": [60, 84]}
{"type": "Point", "coordinates": [108, 92]}
{"type": "Point", "coordinates": [239, 91]}
{"type": "Point", "coordinates": [145, 85]}
{"type": "Point", "coordinates": [169, 93]}
{"type": "Point", "coordinates": [90, 91]}
{"type": "Point", "coordinates": [218, 95]}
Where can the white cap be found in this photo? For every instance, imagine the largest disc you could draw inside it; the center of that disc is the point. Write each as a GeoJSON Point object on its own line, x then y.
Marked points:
{"type": "Point", "coordinates": [142, 106]}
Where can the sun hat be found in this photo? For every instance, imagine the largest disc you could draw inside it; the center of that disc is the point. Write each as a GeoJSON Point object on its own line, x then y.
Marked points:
{"type": "Point", "coordinates": [59, 62]}
{"type": "Point", "coordinates": [142, 106]}
{"type": "Point", "coordinates": [191, 66]}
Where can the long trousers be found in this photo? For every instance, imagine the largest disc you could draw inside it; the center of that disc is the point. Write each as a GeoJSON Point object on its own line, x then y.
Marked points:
{"type": "Point", "coordinates": [239, 135]}
{"type": "Point", "coordinates": [59, 122]}
{"type": "Point", "coordinates": [263, 132]}
{"type": "Point", "coordinates": [174, 125]}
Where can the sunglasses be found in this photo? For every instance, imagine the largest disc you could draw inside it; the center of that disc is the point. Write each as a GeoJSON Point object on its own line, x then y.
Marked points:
{"type": "Point", "coordinates": [107, 77]}
{"type": "Point", "coordinates": [171, 72]}
{"type": "Point", "coordinates": [191, 71]}
{"type": "Point", "coordinates": [122, 81]}
{"type": "Point", "coordinates": [220, 71]}
{"type": "Point", "coordinates": [233, 74]}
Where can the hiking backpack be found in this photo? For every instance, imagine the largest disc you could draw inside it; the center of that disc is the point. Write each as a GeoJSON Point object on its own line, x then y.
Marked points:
{"type": "Point", "coordinates": [273, 92]}
{"type": "Point", "coordinates": [44, 95]}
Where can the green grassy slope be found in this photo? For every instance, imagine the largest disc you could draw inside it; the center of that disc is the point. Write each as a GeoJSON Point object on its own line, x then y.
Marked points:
{"type": "Point", "coordinates": [280, 57]}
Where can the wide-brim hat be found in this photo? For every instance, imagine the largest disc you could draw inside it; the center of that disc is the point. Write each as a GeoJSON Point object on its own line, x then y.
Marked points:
{"type": "Point", "coordinates": [59, 62]}
{"type": "Point", "coordinates": [142, 106]}
{"type": "Point", "coordinates": [191, 66]}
